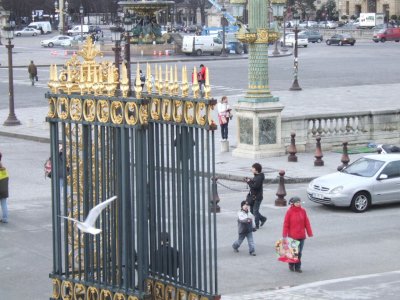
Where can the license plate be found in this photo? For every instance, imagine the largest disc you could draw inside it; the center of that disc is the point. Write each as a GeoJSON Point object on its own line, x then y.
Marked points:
{"type": "Point", "coordinates": [318, 196]}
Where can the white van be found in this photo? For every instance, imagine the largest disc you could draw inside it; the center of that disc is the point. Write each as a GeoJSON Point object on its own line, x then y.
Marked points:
{"type": "Point", "coordinates": [45, 25]}
{"type": "Point", "coordinates": [77, 30]}
{"type": "Point", "coordinates": [199, 44]}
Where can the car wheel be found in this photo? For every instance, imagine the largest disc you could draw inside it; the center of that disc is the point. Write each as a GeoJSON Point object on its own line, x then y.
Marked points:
{"type": "Point", "coordinates": [396, 41]}
{"type": "Point", "coordinates": [340, 43]}
{"type": "Point", "coordinates": [50, 45]}
{"type": "Point", "coordinates": [376, 41]}
{"type": "Point", "coordinates": [328, 42]}
{"type": "Point", "coordinates": [18, 34]}
{"type": "Point", "coordinates": [281, 44]}
{"type": "Point", "coordinates": [199, 52]}
{"type": "Point", "coordinates": [319, 40]}
{"type": "Point", "coordinates": [305, 46]}
{"type": "Point", "coordinates": [360, 202]}
{"type": "Point", "coordinates": [352, 44]}
{"type": "Point", "coordinates": [239, 50]}
{"type": "Point", "coordinates": [383, 40]}
{"type": "Point", "coordinates": [35, 34]}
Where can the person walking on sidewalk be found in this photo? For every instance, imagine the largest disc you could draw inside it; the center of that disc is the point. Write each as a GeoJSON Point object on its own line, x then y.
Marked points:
{"type": "Point", "coordinates": [224, 114]}
{"type": "Point", "coordinates": [246, 226]}
{"type": "Point", "coordinates": [201, 78]}
{"type": "Point", "coordinates": [255, 196]}
{"type": "Point", "coordinates": [295, 225]}
{"type": "Point", "coordinates": [3, 192]}
{"type": "Point", "coordinates": [32, 70]}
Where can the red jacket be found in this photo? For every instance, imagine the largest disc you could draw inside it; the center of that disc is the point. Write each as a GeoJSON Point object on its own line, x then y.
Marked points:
{"type": "Point", "coordinates": [296, 224]}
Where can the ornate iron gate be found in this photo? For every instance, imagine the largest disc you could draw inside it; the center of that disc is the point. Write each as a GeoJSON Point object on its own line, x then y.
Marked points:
{"type": "Point", "coordinates": [155, 152]}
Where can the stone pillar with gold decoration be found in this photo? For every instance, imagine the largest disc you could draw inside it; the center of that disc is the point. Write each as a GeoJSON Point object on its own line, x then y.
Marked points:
{"type": "Point", "coordinates": [258, 113]}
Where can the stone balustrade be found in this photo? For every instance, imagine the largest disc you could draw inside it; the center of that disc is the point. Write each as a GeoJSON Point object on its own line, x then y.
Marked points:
{"type": "Point", "coordinates": [358, 128]}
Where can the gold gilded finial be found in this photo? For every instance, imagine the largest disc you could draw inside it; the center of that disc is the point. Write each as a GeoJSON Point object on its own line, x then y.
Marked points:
{"type": "Point", "coordinates": [171, 83]}
{"type": "Point", "coordinates": [138, 83]}
{"type": "Point", "coordinates": [195, 85]}
{"type": "Point", "coordinates": [207, 88]}
{"type": "Point", "coordinates": [185, 85]}
{"type": "Point", "coordinates": [160, 81]}
{"type": "Point", "coordinates": [176, 84]}
{"type": "Point", "coordinates": [89, 52]}
{"type": "Point", "coordinates": [149, 82]}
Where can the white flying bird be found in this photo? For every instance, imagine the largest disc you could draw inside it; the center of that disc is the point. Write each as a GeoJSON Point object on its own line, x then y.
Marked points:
{"type": "Point", "coordinates": [88, 225]}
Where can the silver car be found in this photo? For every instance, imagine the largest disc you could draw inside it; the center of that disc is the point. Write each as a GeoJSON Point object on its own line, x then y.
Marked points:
{"type": "Point", "coordinates": [27, 31]}
{"type": "Point", "coordinates": [373, 179]}
{"type": "Point", "coordinates": [58, 40]}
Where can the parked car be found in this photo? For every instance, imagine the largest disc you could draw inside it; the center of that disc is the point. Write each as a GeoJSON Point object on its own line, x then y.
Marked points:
{"type": "Point", "coordinates": [76, 39]}
{"type": "Point", "coordinates": [312, 36]}
{"type": "Point", "coordinates": [387, 34]}
{"type": "Point", "coordinates": [308, 24]}
{"type": "Point", "coordinates": [302, 40]}
{"type": "Point", "coordinates": [341, 39]}
{"type": "Point", "coordinates": [57, 40]}
{"type": "Point", "coordinates": [191, 29]}
{"type": "Point", "coordinates": [372, 179]}
{"type": "Point", "coordinates": [329, 24]}
{"type": "Point", "coordinates": [27, 31]}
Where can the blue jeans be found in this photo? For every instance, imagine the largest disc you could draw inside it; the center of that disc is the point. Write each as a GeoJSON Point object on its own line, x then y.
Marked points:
{"type": "Point", "coordinates": [4, 209]}
{"type": "Point", "coordinates": [224, 131]}
{"type": "Point", "coordinates": [255, 210]}
{"type": "Point", "coordinates": [250, 241]}
{"type": "Point", "coordinates": [297, 266]}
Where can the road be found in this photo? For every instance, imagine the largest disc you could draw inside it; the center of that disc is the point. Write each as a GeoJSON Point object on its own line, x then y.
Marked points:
{"type": "Point", "coordinates": [319, 66]}
{"type": "Point", "coordinates": [344, 243]}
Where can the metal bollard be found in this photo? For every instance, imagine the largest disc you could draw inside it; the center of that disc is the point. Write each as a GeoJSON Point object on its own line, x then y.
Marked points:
{"type": "Point", "coordinates": [214, 197]}
{"type": "Point", "coordinates": [281, 192]}
{"type": "Point", "coordinates": [345, 157]}
{"type": "Point", "coordinates": [292, 148]}
{"type": "Point", "coordinates": [318, 154]}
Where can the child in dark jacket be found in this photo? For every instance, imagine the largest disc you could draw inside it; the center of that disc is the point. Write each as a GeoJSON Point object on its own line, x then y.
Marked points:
{"type": "Point", "coordinates": [246, 226]}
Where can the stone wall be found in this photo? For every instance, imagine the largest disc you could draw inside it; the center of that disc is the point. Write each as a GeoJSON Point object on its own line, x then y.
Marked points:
{"type": "Point", "coordinates": [380, 127]}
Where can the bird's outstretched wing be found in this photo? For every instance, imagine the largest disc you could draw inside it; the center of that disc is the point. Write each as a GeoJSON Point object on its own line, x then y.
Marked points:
{"type": "Point", "coordinates": [71, 219]}
{"type": "Point", "coordinates": [96, 211]}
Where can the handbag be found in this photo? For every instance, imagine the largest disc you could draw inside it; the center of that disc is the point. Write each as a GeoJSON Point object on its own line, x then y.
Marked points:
{"type": "Point", "coordinates": [222, 120]}
{"type": "Point", "coordinates": [37, 78]}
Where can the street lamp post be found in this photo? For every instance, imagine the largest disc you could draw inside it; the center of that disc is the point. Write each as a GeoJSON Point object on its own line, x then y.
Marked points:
{"type": "Point", "coordinates": [81, 14]}
{"type": "Point", "coordinates": [277, 11]}
{"type": "Point", "coordinates": [128, 25]}
{"type": "Point", "coordinates": [116, 32]}
{"type": "Point", "coordinates": [295, 85]}
{"type": "Point", "coordinates": [12, 120]}
{"type": "Point", "coordinates": [61, 8]}
{"type": "Point", "coordinates": [224, 23]}
{"type": "Point", "coordinates": [284, 49]}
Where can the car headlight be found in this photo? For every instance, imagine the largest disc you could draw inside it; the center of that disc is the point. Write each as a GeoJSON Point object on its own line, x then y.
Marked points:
{"type": "Point", "coordinates": [336, 190]}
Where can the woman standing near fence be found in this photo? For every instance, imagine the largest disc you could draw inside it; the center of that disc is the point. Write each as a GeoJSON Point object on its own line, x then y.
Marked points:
{"type": "Point", "coordinates": [224, 114]}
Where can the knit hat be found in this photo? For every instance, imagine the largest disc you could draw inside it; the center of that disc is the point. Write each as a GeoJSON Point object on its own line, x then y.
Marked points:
{"type": "Point", "coordinates": [294, 200]}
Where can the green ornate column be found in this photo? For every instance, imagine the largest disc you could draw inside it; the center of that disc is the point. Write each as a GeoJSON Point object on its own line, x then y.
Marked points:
{"type": "Point", "coordinates": [258, 112]}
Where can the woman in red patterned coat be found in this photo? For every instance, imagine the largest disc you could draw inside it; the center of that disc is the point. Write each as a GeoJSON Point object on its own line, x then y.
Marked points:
{"type": "Point", "coordinates": [295, 226]}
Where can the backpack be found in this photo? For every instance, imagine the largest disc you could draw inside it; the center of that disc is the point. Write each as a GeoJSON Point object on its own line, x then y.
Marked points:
{"type": "Point", "coordinates": [47, 168]}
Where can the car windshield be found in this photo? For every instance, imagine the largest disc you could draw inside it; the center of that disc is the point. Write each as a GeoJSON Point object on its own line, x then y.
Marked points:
{"type": "Point", "coordinates": [364, 167]}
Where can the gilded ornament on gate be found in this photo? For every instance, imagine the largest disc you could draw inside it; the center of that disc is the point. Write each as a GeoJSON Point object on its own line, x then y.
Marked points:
{"type": "Point", "coordinates": [158, 291]}
{"type": "Point", "coordinates": [170, 292]}
{"type": "Point", "coordinates": [143, 114]}
{"type": "Point", "coordinates": [166, 109]}
{"type": "Point", "coordinates": [131, 113]}
{"type": "Point", "coordinates": [62, 108]}
{"type": "Point", "coordinates": [92, 293]}
{"type": "Point", "coordinates": [56, 288]}
{"type": "Point", "coordinates": [201, 113]}
{"type": "Point", "coordinates": [89, 110]}
{"type": "Point", "coordinates": [177, 111]}
{"type": "Point", "coordinates": [79, 291]}
{"type": "Point", "coordinates": [188, 112]}
{"type": "Point", "coordinates": [155, 109]}
{"type": "Point", "coordinates": [262, 36]}
{"type": "Point", "coordinates": [106, 295]}
{"type": "Point", "coordinates": [133, 298]}
{"type": "Point", "coordinates": [103, 111]}
{"type": "Point", "coordinates": [52, 107]}
{"type": "Point", "coordinates": [149, 286]}
{"type": "Point", "coordinates": [75, 110]}
{"type": "Point", "coordinates": [67, 290]}
{"type": "Point", "coordinates": [119, 296]}
{"type": "Point", "coordinates": [182, 294]}
{"type": "Point", "coordinates": [193, 296]}
{"type": "Point", "coordinates": [117, 112]}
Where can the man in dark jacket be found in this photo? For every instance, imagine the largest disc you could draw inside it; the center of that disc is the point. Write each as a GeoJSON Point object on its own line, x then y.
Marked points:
{"type": "Point", "coordinates": [256, 192]}
{"type": "Point", "coordinates": [32, 70]}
